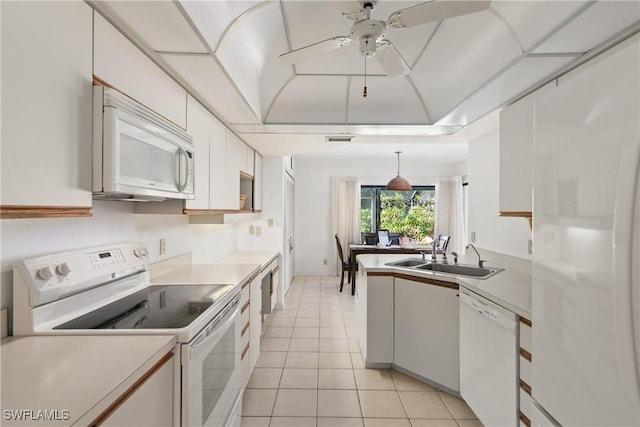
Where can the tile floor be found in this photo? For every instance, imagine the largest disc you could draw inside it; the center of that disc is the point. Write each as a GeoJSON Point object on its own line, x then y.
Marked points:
{"type": "Point", "coordinates": [311, 373]}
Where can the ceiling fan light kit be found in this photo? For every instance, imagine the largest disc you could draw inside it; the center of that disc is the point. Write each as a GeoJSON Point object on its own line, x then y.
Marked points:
{"type": "Point", "coordinates": [398, 183]}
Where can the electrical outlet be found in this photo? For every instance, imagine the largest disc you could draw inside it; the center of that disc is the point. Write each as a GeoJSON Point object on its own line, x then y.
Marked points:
{"type": "Point", "coordinates": [258, 230]}
{"type": "Point", "coordinates": [530, 247]}
{"type": "Point", "coordinates": [473, 237]}
{"type": "Point", "coordinates": [163, 246]}
{"type": "Point", "coordinates": [270, 222]}
{"type": "Point", "coordinates": [324, 261]}
{"type": "Point", "coordinates": [251, 229]}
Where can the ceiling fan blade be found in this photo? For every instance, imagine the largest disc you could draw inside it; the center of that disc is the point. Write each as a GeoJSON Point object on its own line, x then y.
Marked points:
{"type": "Point", "coordinates": [434, 11]}
{"type": "Point", "coordinates": [315, 49]}
{"type": "Point", "coordinates": [350, 9]}
{"type": "Point", "coordinates": [391, 61]}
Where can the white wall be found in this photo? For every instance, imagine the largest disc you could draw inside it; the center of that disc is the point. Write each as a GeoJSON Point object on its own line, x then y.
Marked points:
{"type": "Point", "coordinates": [507, 236]}
{"type": "Point", "coordinates": [115, 222]}
{"type": "Point", "coordinates": [313, 228]}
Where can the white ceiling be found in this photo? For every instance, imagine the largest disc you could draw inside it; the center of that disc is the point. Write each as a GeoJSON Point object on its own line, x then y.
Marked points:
{"type": "Point", "coordinates": [227, 54]}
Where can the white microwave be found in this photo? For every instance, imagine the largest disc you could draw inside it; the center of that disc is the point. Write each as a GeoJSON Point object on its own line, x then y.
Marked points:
{"type": "Point", "coordinates": [138, 155]}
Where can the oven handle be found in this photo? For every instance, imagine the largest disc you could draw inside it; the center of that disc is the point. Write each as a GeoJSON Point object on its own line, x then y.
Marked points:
{"type": "Point", "coordinates": [221, 321]}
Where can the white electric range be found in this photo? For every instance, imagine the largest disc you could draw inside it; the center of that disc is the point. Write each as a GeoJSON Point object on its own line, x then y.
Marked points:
{"type": "Point", "coordinates": [105, 290]}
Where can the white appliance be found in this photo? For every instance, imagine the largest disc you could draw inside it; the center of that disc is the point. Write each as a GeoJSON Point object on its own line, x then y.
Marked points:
{"type": "Point", "coordinates": [138, 155]}
{"type": "Point", "coordinates": [586, 261]}
{"type": "Point", "coordinates": [488, 354]}
{"type": "Point", "coordinates": [106, 290]}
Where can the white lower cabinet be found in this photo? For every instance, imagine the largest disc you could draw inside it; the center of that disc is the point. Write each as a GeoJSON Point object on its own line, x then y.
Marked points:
{"type": "Point", "coordinates": [426, 330]}
{"type": "Point", "coordinates": [255, 316]}
{"type": "Point", "coordinates": [150, 404]}
{"type": "Point", "coordinates": [376, 318]}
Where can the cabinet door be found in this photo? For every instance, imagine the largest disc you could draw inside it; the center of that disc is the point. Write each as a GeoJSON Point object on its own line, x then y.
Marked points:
{"type": "Point", "coordinates": [255, 318]}
{"type": "Point", "coordinates": [218, 165]}
{"type": "Point", "coordinates": [46, 104]}
{"type": "Point", "coordinates": [257, 183]}
{"type": "Point", "coordinates": [198, 124]}
{"type": "Point", "coordinates": [122, 65]}
{"type": "Point", "coordinates": [376, 318]}
{"type": "Point", "coordinates": [150, 405]}
{"type": "Point", "coordinates": [250, 162]}
{"type": "Point", "coordinates": [235, 158]}
{"type": "Point", "coordinates": [516, 157]}
{"type": "Point", "coordinates": [426, 331]}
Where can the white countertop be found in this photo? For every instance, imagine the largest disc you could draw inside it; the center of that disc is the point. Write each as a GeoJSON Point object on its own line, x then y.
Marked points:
{"type": "Point", "coordinates": [233, 269]}
{"type": "Point", "coordinates": [79, 374]}
{"type": "Point", "coordinates": [510, 288]}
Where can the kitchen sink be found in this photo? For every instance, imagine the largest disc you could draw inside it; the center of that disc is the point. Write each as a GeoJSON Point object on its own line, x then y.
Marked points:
{"type": "Point", "coordinates": [410, 262]}
{"type": "Point", "coordinates": [462, 270]}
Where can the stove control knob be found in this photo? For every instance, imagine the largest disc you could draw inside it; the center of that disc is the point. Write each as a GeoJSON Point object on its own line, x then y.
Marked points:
{"type": "Point", "coordinates": [63, 269]}
{"type": "Point", "coordinates": [137, 252]}
{"type": "Point", "coordinates": [45, 273]}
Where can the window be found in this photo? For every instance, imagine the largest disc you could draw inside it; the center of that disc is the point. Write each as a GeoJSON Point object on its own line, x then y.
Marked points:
{"type": "Point", "coordinates": [408, 212]}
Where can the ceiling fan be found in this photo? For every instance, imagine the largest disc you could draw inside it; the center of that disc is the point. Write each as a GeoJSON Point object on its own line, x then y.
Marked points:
{"type": "Point", "coordinates": [370, 33]}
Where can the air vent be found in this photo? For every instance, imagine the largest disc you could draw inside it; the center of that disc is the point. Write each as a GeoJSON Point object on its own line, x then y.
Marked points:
{"type": "Point", "coordinates": [339, 138]}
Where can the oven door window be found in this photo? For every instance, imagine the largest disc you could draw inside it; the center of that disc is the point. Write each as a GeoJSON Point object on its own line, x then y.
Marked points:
{"type": "Point", "coordinates": [213, 375]}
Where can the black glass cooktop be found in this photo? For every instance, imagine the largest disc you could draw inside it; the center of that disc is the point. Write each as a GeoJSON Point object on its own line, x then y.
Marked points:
{"type": "Point", "coordinates": [156, 307]}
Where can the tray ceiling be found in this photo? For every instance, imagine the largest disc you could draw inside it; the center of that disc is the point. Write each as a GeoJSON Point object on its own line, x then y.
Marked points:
{"type": "Point", "coordinates": [227, 54]}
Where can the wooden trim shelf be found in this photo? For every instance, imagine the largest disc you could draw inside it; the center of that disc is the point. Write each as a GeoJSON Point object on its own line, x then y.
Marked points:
{"type": "Point", "coordinates": [15, 212]}
{"type": "Point", "coordinates": [246, 348]}
{"type": "Point", "coordinates": [524, 353]}
{"type": "Point", "coordinates": [441, 283]}
{"type": "Point", "coordinates": [517, 214]}
{"type": "Point", "coordinates": [525, 387]}
{"type": "Point", "coordinates": [244, 330]}
{"type": "Point", "coordinates": [244, 307]}
{"type": "Point", "coordinates": [131, 390]}
{"type": "Point", "coordinates": [525, 420]}
{"type": "Point", "coordinates": [525, 321]}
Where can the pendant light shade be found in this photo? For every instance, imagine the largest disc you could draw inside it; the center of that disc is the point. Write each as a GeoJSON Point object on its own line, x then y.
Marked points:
{"type": "Point", "coordinates": [398, 183]}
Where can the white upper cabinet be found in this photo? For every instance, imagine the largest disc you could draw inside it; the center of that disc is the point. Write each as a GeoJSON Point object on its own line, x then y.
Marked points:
{"type": "Point", "coordinates": [46, 105]}
{"type": "Point", "coordinates": [217, 165]}
{"type": "Point", "coordinates": [122, 65]}
{"type": "Point", "coordinates": [198, 125]}
{"type": "Point", "coordinates": [236, 159]}
{"type": "Point", "coordinates": [250, 163]}
{"type": "Point", "coordinates": [516, 157]}
{"type": "Point", "coordinates": [257, 182]}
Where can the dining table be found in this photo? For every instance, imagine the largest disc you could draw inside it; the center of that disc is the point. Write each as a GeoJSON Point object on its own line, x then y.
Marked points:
{"type": "Point", "coordinates": [359, 249]}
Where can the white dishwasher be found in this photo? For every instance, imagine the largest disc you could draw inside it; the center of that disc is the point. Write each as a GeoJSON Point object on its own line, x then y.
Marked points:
{"type": "Point", "coordinates": [488, 355]}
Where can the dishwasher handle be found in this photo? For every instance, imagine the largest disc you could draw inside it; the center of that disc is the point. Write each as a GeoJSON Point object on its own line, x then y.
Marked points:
{"type": "Point", "coordinates": [490, 311]}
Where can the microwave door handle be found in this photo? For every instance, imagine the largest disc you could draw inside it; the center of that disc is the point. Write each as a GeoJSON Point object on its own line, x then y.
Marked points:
{"type": "Point", "coordinates": [183, 161]}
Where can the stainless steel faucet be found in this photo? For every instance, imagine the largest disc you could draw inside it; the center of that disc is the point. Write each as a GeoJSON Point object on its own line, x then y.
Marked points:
{"type": "Point", "coordinates": [480, 261]}
{"type": "Point", "coordinates": [455, 257]}
{"type": "Point", "coordinates": [434, 258]}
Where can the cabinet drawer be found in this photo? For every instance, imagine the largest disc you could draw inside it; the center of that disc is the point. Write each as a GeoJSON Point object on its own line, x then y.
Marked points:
{"type": "Point", "coordinates": [244, 335]}
{"type": "Point", "coordinates": [526, 403]}
{"type": "Point", "coordinates": [525, 335]}
{"type": "Point", "coordinates": [245, 294]}
{"type": "Point", "coordinates": [245, 368]}
{"type": "Point", "coordinates": [525, 370]}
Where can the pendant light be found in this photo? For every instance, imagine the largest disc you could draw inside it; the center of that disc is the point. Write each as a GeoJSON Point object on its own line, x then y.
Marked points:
{"type": "Point", "coordinates": [399, 183]}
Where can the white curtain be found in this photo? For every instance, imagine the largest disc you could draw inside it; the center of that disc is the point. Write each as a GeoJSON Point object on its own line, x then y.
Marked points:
{"type": "Point", "coordinates": [449, 211]}
{"type": "Point", "coordinates": [346, 214]}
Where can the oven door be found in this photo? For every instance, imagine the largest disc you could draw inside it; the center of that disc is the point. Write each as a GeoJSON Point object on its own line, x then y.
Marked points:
{"type": "Point", "coordinates": [211, 380]}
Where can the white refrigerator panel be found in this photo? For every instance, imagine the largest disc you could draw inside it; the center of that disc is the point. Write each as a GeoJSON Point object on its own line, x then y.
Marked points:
{"type": "Point", "coordinates": [587, 144]}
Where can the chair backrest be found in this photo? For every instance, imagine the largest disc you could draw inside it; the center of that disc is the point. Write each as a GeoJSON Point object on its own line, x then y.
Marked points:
{"type": "Point", "coordinates": [370, 238]}
{"type": "Point", "coordinates": [339, 249]}
{"type": "Point", "coordinates": [443, 242]}
{"type": "Point", "coordinates": [394, 238]}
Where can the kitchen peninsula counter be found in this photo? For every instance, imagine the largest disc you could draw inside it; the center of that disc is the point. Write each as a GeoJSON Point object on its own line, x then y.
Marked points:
{"type": "Point", "coordinates": [510, 288]}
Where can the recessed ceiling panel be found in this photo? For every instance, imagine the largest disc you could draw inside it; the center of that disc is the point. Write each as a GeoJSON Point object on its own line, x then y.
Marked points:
{"type": "Point", "coordinates": [249, 51]}
{"type": "Point", "coordinates": [305, 99]}
{"type": "Point", "coordinates": [388, 101]}
{"type": "Point", "coordinates": [213, 18]}
{"type": "Point", "coordinates": [205, 77]}
{"type": "Point", "coordinates": [149, 21]}
{"type": "Point", "coordinates": [524, 75]}
{"type": "Point", "coordinates": [465, 52]}
{"type": "Point", "coordinates": [532, 21]}
{"type": "Point", "coordinates": [597, 24]}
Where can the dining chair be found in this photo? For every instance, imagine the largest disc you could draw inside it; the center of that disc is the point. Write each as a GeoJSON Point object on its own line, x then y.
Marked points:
{"type": "Point", "coordinates": [346, 266]}
{"type": "Point", "coordinates": [370, 238]}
